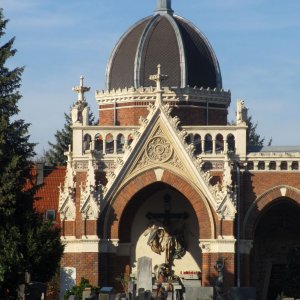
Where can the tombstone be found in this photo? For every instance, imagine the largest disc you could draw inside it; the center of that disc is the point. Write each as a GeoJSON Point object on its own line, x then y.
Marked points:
{"type": "Point", "coordinates": [245, 293]}
{"type": "Point", "coordinates": [194, 290]}
{"type": "Point", "coordinates": [67, 280]}
{"type": "Point", "coordinates": [144, 273]}
{"type": "Point", "coordinates": [107, 293]}
{"type": "Point", "coordinates": [88, 294]}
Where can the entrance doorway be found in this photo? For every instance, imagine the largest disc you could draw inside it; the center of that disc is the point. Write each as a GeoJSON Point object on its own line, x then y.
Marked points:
{"type": "Point", "coordinates": [160, 205]}
{"type": "Point", "coordinates": [277, 232]}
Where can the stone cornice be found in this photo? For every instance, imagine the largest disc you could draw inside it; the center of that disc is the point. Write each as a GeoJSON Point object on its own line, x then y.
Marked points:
{"type": "Point", "coordinates": [149, 94]}
{"type": "Point", "coordinates": [226, 245]}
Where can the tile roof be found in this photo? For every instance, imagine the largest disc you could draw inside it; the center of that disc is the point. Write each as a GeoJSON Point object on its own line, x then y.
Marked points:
{"type": "Point", "coordinates": [47, 196]}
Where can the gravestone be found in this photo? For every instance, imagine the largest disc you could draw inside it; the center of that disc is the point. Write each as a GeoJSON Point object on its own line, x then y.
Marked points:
{"type": "Point", "coordinates": [87, 294]}
{"type": "Point", "coordinates": [245, 293]}
{"type": "Point", "coordinates": [67, 280]}
{"type": "Point", "coordinates": [144, 273]}
{"type": "Point", "coordinates": [194, 290]}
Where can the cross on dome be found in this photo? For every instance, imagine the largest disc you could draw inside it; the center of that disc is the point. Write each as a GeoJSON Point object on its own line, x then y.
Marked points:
{"type": "Point", "coordinates": [81, 90]}
{"type": "Point", "coordinates": [164, 6]}
{"type": "Point", "coordinates": [158, 78]}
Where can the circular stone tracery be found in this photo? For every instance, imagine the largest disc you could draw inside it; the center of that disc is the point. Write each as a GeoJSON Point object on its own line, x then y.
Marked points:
{"type": "Point", "coordinates": [159, 149]}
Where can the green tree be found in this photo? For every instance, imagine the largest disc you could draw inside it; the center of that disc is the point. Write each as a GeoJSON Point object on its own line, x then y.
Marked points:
{"type": "Point", "coordinates": [24, 237]}
{"type": "Point", "coordinates": [253, 138]}
{"type": "Point", "coordinates": [55, 155]}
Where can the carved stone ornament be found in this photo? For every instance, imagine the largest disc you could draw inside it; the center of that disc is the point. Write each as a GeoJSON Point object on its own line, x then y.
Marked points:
{"type": "Point", "coordinates": [66, 206]}
{"type": "Point", "coordinates": [89, 200]}
{"type": "Point", "coordinates": [159, 149]}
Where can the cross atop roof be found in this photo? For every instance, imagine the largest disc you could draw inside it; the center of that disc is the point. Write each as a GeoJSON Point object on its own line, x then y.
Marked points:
{"type": "Point", "coordinates": [158, 78]}
{"type": "Point", "coordinates": [81, 90]}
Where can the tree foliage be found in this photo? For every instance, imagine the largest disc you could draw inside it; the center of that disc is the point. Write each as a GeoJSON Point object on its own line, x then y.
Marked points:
{"type": "Point", "coordinates": [253, 137]}
{"type": "Point", "coordinates": [55, 155]}
{"type": "Point", "coordinates": [77, 290]}
{"type": "Point", "coordinates": [26, 242]}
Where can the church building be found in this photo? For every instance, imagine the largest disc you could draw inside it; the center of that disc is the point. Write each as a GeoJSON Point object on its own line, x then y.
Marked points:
{"type": "Point", "coordinates": [164, 175]}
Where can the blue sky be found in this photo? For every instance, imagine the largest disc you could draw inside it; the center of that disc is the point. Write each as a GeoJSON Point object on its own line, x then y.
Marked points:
{"type": "Point", "coordinates": [257, 43]}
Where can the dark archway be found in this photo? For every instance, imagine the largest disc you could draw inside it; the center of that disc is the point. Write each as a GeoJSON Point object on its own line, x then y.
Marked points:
{"type": "Point", "coordinates": [150, 201]}
{"type": "Point", "coordinates": [276, 233]}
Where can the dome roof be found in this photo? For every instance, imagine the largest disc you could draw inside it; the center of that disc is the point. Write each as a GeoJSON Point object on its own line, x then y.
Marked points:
{"type": "Point", "coordinates": [183, 52]}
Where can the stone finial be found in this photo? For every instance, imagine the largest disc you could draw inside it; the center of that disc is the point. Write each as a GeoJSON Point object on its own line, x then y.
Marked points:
{"type": "Point", "coordinates": [158, 78]}
{"type": "Point", "coordinates": [164, 7]}
{"type": "Point", "coordinates": [81, 90]}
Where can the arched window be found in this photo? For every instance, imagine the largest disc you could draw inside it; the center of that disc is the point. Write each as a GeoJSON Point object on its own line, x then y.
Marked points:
{"type": "Point", "coordinates": [130, 139]}
{"type": "Point", "coordinates": [283, 165]}
{"type": "Point", "coordinates": [231, 143]}
{"type": "Point", "coordinates": [197, 144]}
{"type": "Point", "coordinates": [250, 165]}
{"type": "Point", "coordinates": [120, 143]}
{"type": "Point", "coordinates": [98, 143]}
{"type": "Point", "coordinates": [219, 143]}
{"type": "Point", "coordinates": [189, 139]}
{"type": "Point", "coordinates": [208, 144]}
{"type": "Point", "coordinates": [295, 165]}
{"type": "Point", "coordinates": [86, 142]}
{"type": "Point", "coordinates": [261, 165]}
{"type": "Point", "coordinates": [109, 144]}
{"type": "Point", "coordinates": [272, 165]}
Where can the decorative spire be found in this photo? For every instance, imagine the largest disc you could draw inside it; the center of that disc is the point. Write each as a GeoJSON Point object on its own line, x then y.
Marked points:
{"type": "Point", "coordinates": [164, 7]}
{"type": "Point", "coordinates": [81, 90]}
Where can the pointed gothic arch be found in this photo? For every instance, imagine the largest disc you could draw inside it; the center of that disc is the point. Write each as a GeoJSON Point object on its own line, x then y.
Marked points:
{"type": "Point", "coordinates": [270, 196]}
{"type": "Point", "coordinates": [200, 205]}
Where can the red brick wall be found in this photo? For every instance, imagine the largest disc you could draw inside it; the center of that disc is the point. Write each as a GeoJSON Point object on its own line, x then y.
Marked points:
{"type": "Point", "coordinates": [209, 274]}
{"type": "Point", "coordinates": [86, 264]}
{"type": "Point", "coordinates": [130, 116]}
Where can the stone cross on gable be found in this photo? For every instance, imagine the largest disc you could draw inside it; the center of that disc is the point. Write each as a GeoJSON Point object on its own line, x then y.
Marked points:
{"type": "Point", "coordinates": [80, 90]}
{"type": "Point", "coordinates": [158, 78]}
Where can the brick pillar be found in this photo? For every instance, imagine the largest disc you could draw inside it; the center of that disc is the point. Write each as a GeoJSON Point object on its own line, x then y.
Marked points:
{"type": "Point", "coordinates": [213, 250]}
{"type": "Point", "coordinates": [245, 250]}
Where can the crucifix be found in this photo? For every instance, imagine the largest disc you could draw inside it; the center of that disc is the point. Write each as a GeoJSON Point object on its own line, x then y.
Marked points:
{"type": "Point", "coordinates": [166, 238]}
{"type": "Point", "coordinates": [80, 90]}
{"type": "Point", "coordinates": [166, 217]}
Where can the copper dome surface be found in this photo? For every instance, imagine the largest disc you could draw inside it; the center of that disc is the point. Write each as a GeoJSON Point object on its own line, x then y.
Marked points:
{"type": "Point", "coordinates": [183, 52]}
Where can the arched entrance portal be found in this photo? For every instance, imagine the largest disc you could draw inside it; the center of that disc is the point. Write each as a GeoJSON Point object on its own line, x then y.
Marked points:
{"type": "Point", "coordinates": [277, 231]}
{"type": "Point", "coordinates": [163, 208]}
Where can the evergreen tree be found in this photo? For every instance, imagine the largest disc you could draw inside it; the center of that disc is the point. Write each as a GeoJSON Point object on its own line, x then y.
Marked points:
{"type": "Point", "coordinates": [55, 155]}
{"type": "Point", "coordinates": [253, 138]}
{"type": "Point", "coordinates": [27, 244]}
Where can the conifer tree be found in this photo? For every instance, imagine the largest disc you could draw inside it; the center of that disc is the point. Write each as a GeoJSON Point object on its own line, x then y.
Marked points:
{"type": "Point", "coordinates": [55, 155]}
{"type": "Point", "coordinates": [253, 138]}
{"type": "Point", "coordinates": [26, 242]}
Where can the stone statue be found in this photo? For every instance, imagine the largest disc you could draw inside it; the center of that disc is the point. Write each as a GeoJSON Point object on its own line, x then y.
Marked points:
{"type": "Point", "coordinates": [161, 239]}
{"type": "Point", "coordinates": [219, 284]}
{"type": "Point", "coordinates": [241, 112]}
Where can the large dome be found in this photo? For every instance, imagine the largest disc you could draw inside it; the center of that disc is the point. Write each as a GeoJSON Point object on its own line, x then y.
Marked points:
{"type": "Point", "coordinates": [183, 52]}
